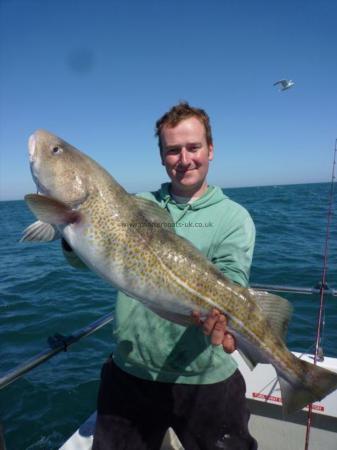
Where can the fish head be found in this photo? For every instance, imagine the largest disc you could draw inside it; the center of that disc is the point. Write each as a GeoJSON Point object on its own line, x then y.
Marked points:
{"type": "Point", "coordinates": [60, 170]}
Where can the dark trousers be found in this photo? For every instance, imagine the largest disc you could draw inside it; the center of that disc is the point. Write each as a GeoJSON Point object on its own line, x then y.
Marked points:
{"type": "Point", "coordinates": [134, 414]}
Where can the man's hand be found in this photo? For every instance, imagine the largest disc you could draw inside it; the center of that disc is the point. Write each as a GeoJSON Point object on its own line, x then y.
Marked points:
{"type": "Point", "coordinates": [215, 326]}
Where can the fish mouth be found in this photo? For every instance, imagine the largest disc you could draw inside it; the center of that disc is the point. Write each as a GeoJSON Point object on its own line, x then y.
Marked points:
{"type": "Point", "coordinates": [34, 166]}
{"type": "Point", "coordinates": [31, 147]}
{"type": "Point", "coordinates": [41, 189]}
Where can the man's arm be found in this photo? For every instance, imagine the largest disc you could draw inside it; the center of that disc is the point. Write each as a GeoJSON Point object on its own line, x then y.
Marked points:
{"type": "Point", "coordinates": [234, 253]}
{"type": "Point", "coordinates": [233, 257]}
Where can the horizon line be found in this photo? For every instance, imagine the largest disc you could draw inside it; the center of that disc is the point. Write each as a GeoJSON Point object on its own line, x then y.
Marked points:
{"type": "Point", "coordinates": [226, 187]}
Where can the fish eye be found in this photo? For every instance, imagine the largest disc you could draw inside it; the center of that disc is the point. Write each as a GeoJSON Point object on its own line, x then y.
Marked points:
{"type": "Point", "coordinates": [56, 150]}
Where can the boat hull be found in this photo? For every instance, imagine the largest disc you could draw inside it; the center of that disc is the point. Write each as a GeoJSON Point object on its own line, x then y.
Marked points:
{"type": "Point", "coordinates": [268, 425]}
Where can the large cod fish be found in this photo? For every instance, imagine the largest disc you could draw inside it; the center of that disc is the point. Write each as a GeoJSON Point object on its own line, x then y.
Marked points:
{"type": "Point", "coordinates": [130, 243]}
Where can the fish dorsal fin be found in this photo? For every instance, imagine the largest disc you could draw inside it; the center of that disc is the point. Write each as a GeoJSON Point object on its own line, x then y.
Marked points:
{"type": "Point", "coordinates": [154, 213]}
{"type": "Point", "coordinates": [278, 310]}
{"type": "Point", "coordinates": [50, 210]}
{"type": "Point", "coordinates": [40, 232]}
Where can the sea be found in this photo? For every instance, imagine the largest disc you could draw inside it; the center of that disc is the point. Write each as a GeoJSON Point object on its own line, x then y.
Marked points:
{"type": "Point", "coordinates": [41, 295]}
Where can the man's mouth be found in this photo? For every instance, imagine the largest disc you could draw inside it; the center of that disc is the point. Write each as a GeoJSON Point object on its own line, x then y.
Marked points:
{"type": "Point", "coordinates": [182, 171]}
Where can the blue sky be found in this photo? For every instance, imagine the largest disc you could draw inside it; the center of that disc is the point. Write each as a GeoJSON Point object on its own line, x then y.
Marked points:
{"type": "Point", "coordinates": [99, 74]}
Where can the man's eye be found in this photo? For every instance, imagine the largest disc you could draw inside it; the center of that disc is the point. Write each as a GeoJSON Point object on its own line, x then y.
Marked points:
{"type": "Point", "coordinates": [193, 147]}
{"type": "Point", "coordinates": [173, 150]}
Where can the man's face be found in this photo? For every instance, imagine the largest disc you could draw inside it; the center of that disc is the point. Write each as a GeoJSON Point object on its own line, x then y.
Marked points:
{"type": "Point", "coordinates": [186, 155]}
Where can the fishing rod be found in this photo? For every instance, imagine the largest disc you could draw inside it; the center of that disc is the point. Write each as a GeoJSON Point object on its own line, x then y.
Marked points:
{"type": "Point", "coordinates": [320, 320]}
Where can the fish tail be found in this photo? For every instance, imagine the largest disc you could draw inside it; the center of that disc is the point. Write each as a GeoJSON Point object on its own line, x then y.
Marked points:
{"type": "Point", "coordinates": [314, 384]}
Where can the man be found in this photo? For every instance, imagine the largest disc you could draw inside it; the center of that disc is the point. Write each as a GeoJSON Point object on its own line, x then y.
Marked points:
{"type": "Point", "coordinates": [162, 374]}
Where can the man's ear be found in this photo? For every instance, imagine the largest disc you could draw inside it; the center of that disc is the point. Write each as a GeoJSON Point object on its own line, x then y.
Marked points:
{"type": "Point", "coordinates": [210, 152]}
{"type": "Point", "coordinates": [162, 158]}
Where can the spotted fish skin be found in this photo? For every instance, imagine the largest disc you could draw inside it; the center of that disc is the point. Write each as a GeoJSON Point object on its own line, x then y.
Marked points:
{"type": "Point", "coordinates": [129, 242]}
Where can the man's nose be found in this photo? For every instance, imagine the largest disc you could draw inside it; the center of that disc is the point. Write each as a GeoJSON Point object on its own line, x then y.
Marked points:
{"type": "Point", "coordinates": [184, 157]}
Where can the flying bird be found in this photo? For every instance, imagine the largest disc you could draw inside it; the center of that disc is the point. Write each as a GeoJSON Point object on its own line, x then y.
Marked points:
{"type": "Point", "coordinates": [285, 84]}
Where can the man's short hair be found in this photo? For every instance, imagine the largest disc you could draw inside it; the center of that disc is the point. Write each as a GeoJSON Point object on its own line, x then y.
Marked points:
{"type": "Point", "coordinates": [180, 112]}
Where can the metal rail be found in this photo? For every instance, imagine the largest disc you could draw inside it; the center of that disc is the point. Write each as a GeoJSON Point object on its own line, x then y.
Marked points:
{"type": "Point", "coordinates": [57, 344]}
{"type": "Point", "coordinates": [294, 289]}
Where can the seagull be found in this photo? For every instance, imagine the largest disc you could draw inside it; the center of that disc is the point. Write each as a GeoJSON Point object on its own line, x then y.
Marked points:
{"type": "Point", "coordinates": [285, 84]}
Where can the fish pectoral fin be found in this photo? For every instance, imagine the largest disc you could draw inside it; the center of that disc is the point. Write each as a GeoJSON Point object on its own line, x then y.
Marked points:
{"type": "Point", "coordinates": [154, 213]}
{"type": "Point", "coordinates": [50, 210]}
{"type": "Point", "coordinates": [277, 310]}
{"type": "Point", "coordinates": [40, 232]}
{"type": "Point", "coordinates": [316, 384]}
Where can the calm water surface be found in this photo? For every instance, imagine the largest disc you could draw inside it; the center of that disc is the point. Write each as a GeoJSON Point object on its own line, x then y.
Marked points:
{"type": "Point", "coordinates": [41, 295]}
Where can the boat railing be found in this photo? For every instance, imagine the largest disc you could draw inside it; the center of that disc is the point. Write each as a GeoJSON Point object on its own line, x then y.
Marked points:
{"type": "Point", "coordinates": [59, 342]}
{"type": "Point", "coordinates": [295, 289]}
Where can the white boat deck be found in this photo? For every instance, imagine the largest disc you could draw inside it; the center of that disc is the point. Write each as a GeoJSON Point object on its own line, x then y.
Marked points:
{"type": "Point", "coordinates": [270, 428]}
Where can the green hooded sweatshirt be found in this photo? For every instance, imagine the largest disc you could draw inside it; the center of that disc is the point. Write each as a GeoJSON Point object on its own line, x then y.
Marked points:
{"type": "Point", "coordinates": [153, 348]}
